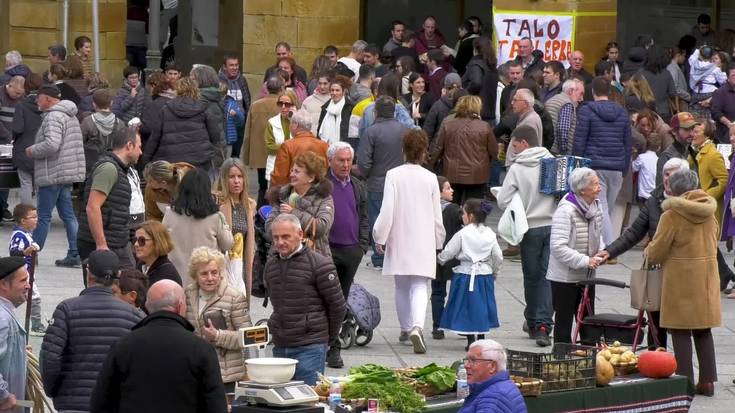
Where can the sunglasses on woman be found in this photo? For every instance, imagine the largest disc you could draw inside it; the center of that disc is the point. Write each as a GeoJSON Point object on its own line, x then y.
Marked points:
{"type": "Point", "coordinates": [142, 240]}
{"type": "Point", "coordinates": [286, 104]}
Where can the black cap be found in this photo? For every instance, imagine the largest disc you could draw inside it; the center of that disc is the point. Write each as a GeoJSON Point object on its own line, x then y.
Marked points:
{"type": "Point", "coordinates": [103, 264]}
{"type": "Point", "coordinates": [9, 265]}
{"type": "Point", "coordinates": [50, 90]}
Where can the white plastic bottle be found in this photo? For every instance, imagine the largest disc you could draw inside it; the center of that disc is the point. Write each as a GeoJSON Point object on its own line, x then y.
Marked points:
{"type": "Point", "coordinates": [463, 388]}
{"type": "Point", "coordinates": [335, 395]}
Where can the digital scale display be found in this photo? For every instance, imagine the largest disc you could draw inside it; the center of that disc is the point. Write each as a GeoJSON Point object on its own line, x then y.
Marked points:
{"type": "Point", "coordinates": [254, 335]}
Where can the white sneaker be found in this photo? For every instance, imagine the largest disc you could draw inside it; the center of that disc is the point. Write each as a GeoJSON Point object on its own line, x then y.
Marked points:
{"type": "Point", "coordinates": [417, 339]}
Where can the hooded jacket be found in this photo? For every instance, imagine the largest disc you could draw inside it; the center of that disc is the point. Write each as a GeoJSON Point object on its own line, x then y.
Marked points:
{"type": "Point", "coordinates": [634, 61]}
{"type": "Point", "coordinates": [523, 178]}
{"type": "Point", "coordinates": [603, 135]}
{"type": "Point", "coordinates": [26, 121]}
{"type": "Point", "coordinates": [704, 76]}
{"type": "Point", "coordinates": [685, 245]}
{"type": "Point", "coordinates": [58, 150]}
{"type": "Point", "coordinates": [96, 131]}
{"type": "Point", "coordinates": [188, 133]}
{"type": "Point", "coordinates": [481, 80]}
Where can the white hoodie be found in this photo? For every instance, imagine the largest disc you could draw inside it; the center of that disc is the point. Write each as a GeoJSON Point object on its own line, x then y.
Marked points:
{"type": "Point", "coordinates": [523, 178]}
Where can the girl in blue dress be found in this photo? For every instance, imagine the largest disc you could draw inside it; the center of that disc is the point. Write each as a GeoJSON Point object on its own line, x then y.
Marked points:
{"type": "Point", "coordinates": [471, 308]}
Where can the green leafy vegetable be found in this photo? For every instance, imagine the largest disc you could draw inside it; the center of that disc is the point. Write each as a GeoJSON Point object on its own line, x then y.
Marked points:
{"type": "Point", "coordinates": [395, 396]}
{"type": "Point", "coordinates": [442, 378]}
{"type": "Point", "coordinates": [369, 368]}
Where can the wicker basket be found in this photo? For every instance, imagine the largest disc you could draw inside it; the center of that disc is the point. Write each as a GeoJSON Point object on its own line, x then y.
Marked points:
{"type": "Point", "coordinates": [624, 369]}
{"type": "Point", "coordinates": [567, 367]}
{"type": "Point", "coordinates": [528, 386]}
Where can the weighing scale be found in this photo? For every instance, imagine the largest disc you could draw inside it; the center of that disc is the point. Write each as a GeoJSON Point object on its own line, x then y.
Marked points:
{"type": "Point", "coordinates": [253, 397]}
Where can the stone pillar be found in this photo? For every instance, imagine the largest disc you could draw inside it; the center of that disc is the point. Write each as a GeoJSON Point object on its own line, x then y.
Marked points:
{"type": "Point", "coordinates": [153, 55]}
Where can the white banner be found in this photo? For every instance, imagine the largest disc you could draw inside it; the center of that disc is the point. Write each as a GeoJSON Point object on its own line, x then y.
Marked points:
{"type": "Point", "coordinates": [550, 34]}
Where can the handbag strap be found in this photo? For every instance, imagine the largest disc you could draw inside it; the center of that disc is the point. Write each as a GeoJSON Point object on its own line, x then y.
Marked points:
{"type": "Point", "coordinates": [311, 229]}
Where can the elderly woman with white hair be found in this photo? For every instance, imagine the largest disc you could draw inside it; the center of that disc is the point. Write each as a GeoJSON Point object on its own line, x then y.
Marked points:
{"type": "Point", "coordinates": [576, 228]}
{"type": "Point", "coordinates": [645, 224]}
{"type": "Point", "coordinates": [217, 311]}
{"type": "Point", "coordinates": [685, 245]}
{"type": "Point", "coordinates": [491, 389]}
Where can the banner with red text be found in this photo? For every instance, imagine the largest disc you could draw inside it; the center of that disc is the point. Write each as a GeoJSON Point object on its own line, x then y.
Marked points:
{"type": "Point", "coordinates": [552, 34]}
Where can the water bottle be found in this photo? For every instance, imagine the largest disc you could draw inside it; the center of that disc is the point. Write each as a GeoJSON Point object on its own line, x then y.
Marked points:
{"type": "Point", "coordinates": [335, 395]}
{"type": "Point", "coordinates": [463, 389]}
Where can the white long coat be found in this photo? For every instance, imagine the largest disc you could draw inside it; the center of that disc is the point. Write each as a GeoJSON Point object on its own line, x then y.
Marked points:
{"type": "Point", "coordinates": [410, 222]}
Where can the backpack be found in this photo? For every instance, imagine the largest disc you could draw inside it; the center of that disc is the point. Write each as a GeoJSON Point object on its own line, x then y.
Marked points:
{"type": "Point", "coordinates": [97, 144]}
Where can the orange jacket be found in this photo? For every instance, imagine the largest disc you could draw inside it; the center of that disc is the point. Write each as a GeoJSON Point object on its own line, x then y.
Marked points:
{"type": "Point", "coordinates": [302, 141]}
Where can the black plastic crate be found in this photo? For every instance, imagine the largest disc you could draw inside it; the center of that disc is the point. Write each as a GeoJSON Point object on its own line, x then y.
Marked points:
{"type": "Point", "coordinates": [567, 367]}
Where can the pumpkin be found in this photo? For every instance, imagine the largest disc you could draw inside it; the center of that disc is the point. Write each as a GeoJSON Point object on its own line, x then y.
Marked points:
{"type": "Point", "coordinates": [604, 371]}
{"type": "Point", "coordinates": [657, 364]}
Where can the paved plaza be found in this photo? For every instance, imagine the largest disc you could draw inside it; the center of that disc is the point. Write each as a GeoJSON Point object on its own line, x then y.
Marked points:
{"type": "Point", "coordinates": [57, 284]}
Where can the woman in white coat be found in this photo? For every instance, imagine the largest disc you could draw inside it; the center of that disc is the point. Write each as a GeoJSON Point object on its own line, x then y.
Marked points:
{"type": "Point", "coordinates": [278, 129]}
{"type": "Point", "coordinates": [409, 229]}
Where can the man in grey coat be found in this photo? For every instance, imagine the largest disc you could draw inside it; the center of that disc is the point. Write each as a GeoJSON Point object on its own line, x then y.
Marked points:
{"type": "Point", "coordinates": [59, 163]}
{"type": "Point", "coordinates": [380, 150]}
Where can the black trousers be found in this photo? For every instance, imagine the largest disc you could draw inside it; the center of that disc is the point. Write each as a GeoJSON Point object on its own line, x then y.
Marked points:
{"type": "Point", "coordinates": [726, 274]}
{"type": "Point", "coordinates": [654, 317]}
{"type": "Point", "coordinates": [565, 298]}
{"type": "Point", "coordinates": [705, 347]}
{"type": "Point", "coordinates": [463, 192]}
{"type": "Point", "coordinates": [346, 260]}
{"type": "Point", "coordinates": [262, 187]}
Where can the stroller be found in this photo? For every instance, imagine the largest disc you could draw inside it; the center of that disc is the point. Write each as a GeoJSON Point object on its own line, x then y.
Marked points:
{"type": "Point", "coordinates": [593, 329]}
{"type": "Point", "coordinates": [363, 315]}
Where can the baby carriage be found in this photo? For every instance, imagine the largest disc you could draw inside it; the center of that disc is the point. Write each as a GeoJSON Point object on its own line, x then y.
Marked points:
{"type": "Point", "coordinates": [592, 328]}
{"type": "Point", "coordinates": [363, 315]}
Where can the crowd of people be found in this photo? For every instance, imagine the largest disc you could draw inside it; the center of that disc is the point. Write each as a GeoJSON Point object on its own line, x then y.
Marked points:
{"type": "Point", "coordinates": [391, 149]}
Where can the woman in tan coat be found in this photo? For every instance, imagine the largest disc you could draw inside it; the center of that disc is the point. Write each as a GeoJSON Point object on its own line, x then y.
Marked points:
{"type": "Point", "coordinates": [217, 311]}
{"type": "Point", "coordinates": [685, 244]}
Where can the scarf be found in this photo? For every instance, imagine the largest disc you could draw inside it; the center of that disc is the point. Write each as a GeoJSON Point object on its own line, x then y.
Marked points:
{"type": "Point", "coordinates": [330, 130]}
{"type": "Point", "coordinates": [589, 211]}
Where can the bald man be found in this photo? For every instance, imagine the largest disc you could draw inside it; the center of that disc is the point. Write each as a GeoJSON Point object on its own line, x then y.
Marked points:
{"type": "Point", "coordinates": [576, 67]}
{"type": "Point", "coordinates": [176, 371]}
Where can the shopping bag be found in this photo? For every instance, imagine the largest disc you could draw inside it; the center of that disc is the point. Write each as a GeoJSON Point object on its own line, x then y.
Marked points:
{"type": "Point", "coordinates": [645, 288]}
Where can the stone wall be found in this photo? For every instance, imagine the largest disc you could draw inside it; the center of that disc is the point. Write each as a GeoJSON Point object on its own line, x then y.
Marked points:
{"type": "Point", "coordinates": [307, 25]}
{"type": "Point", "coordinates": [34, 25]}
{"type": "Point", "coordinates": [596, 22]}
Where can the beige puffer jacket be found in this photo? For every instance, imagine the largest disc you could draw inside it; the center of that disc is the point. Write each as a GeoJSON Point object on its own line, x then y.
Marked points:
{"type": "Point", "coordinates": [233, 305]}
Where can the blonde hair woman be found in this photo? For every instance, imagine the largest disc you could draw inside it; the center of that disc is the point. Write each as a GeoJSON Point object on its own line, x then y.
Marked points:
{"type": "Point", "coordinates": [466, 146]}
{"type": "Point", "coordinates": [217, 311]}
{"type": "Point", "coordinates": [278, 128]}
{"type": "Point", "coordinates": [162, 185]}
{"type": "Point", "coordinates": [231, 189]}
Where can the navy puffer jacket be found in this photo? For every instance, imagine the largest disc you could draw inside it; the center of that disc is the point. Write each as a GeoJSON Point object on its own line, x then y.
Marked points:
{"type": "Point", "coordinates": [77, 342]}
{"type": "Point", "coordinates": [603, 135]}
{"type": "Point", "coordinates": [497, 394]}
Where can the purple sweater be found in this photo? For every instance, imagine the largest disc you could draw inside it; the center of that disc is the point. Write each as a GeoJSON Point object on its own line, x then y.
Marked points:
{"type": "Point", "coordinates": [345, 228]}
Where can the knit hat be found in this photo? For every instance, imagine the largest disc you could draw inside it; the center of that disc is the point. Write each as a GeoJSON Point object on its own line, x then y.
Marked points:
{"type": "Point", "coordinates": [8, 265]}
{"type": "Point", "coordinates": [452, 80]}
{"type": "Point", "coordinates": [50, 90]}
{"type": "Point", "coordinates": [103, 264]}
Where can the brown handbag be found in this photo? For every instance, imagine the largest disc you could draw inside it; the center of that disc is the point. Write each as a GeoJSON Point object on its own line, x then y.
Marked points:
{"type": "Point", "coordinates": [645, 288]}
{"type": "Point", "coordinates": [310, 235]}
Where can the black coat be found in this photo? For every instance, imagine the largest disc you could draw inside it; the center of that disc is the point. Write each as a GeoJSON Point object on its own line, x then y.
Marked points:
{"type": "Point", "coordinates": [26, 121]}
{"type": "Point", "coordinates": [645, 223]}
{"type": "Point", "coordinates": [464, 53]}
{"type": "Point", "coordinates": [163, 269]}
{"type": "Point", "coordinates": [482, 80]}
{"type": "Point", "coordinates": [344, 125]}
{"type": "Point", "coordinates": [452, 219]}
{"type": "Point", "coordinates": [161, 366]}
{"type": "Point", "coordinates": [439, 110]}
{"type": "Point", "coordinates": [77, 342]}
{"type": "Point", "coordinates": [150, 119]}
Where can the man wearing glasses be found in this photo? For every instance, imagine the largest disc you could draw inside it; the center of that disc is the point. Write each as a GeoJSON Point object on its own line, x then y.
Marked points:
{"type": "Point", "coordinates": [491, 389]}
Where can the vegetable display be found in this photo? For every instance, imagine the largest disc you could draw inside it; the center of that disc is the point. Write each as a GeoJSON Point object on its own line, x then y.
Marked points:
{"type": "Point", "coordinates": [402, 390]}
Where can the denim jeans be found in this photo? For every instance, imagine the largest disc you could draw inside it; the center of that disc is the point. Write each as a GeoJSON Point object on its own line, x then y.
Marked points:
{"type": "Point", "coordinates": [374, 202]}
{"type": "Point", "coordinates": [311, 360]}
{"type": "Point", "coordinates": [536, 288]}
{"type": "Point", "coordinates": [58, 196]}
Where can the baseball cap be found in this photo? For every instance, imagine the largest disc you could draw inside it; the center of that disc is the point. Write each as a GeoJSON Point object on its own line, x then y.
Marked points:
{"type": "Point", "coordinates": [50, 90]}
{"type": "Point", "coordinates": [683, 120]}
{"type": "Point", "coordinates": [452, 79]}
{"type": "Point", "coordinates": [103, 264]}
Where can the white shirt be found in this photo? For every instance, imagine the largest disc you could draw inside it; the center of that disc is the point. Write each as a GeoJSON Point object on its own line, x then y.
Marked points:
{"type": "Point", "coordinates": [645, 165]}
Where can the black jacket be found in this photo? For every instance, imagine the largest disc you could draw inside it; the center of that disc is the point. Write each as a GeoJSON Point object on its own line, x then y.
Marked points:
{"type": "Point", "coordinates": [163, 269]}
{"type": "Point", "coordinates": [452, 219]}
{"type": "Point", "coordinates": [439, 110]}
{"type": "Point", "coordinates": [161, 366]}
{"type": "Point", "coordinates": [464, 53]}
{"type": "Point", "coordinates": [481, 80]}
{"type": "Point", "coordinates": [77, 342]}
{"type": "Point", "coordinates": [427, 99]}
{"type": "Point", "coordinates": [188, 133]}
{"type": "Point", "coordinates": [150, 119]}
{"type": "Point", "coordinates": [308, 305]}
{"type": "Point", "coordinates": [645, 223]}
{"type": "Point", "coordinates": [26, 121]}
{"type": "Point", "coordinates": [536, 66]}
